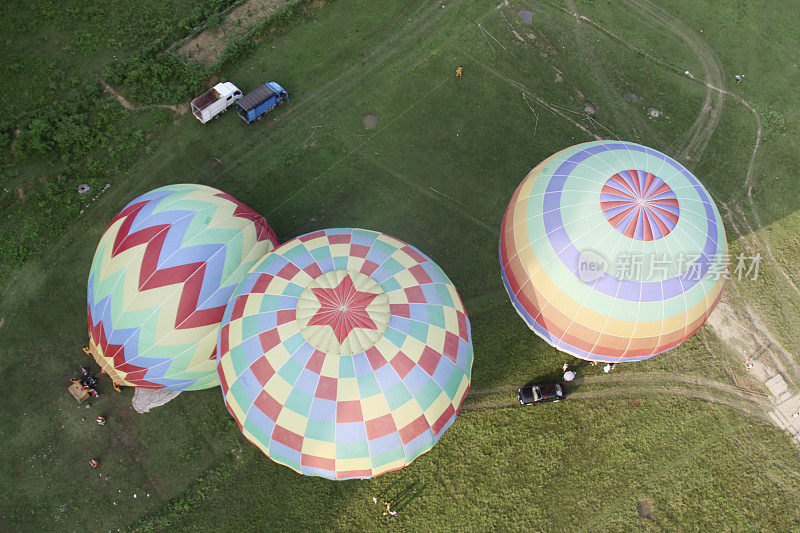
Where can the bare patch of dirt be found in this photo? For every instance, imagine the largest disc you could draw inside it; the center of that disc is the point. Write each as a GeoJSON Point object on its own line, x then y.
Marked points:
{"type": "Point", "coordinates": [121, 438]}
{"type": "Point", "coordinates": [370, 121]}
{"type": "Point", "coordinates": [206, 46]}
{"type": "Point", "coordinates": [645, 509]}
{"type": "Point", "coordinates": [732, 329]}
{"type": "Point", "coordinates": [155, 481]}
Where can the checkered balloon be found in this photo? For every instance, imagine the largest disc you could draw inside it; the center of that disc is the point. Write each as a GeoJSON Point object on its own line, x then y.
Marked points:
{"type": "Point", "coordinates": [345, 353]}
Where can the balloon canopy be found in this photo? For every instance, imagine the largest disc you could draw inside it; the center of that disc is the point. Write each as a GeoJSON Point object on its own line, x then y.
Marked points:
{"type": "Point", "coordinates": [612, 251]}
{"type": "Point", "coordinates": [345, 353]}
{"type": "Point", "coordinates": [160, 280]}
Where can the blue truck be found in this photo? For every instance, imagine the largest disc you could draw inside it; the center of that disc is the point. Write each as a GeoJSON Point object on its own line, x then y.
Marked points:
{"type": "Point", "coordinates": [255, 104]}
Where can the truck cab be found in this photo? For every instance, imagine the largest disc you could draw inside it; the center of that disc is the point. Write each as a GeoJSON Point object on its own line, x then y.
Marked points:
{"type": "Point", "coordinates": [260, 101]}
{"type": "Point", "coordinates": [216, 101]}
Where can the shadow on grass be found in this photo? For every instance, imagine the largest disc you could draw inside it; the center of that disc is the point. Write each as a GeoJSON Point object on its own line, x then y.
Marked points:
{"type": "Point", "coordinates": [398, 496]}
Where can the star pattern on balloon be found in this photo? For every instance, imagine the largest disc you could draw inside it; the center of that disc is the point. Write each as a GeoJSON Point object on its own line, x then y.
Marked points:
{"type": "Point", "coordinates": [343, 308]}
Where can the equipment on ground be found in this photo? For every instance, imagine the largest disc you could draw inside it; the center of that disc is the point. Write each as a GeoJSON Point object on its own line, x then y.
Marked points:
{"type": "Point", "coordinates": [78, 391]}
{"type": "Point", "coordinates": [216, 101]}
{"type": "Point", "coordinates": [260, 101]}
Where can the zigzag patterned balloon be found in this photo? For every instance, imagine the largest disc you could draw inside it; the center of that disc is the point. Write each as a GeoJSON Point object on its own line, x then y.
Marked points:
{"type": "Point", "coordinates": [160, 280]}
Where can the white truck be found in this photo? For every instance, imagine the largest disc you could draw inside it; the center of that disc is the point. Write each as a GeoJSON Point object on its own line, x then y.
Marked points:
{"type": "Point", "coordinates": [212, 103]}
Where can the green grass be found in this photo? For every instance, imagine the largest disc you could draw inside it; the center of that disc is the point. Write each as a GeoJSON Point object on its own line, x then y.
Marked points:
{"type": "Point", "coordinates": [437, 172]}
{"type": "Point", "coordinates": [57, 47]}
{"type": "Point", "coordinates": [573, 466]}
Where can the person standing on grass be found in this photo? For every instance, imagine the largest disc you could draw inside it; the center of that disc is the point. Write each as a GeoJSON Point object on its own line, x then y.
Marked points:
{"type": "Point", "coordinates": [458, 71]}
{"type": "Point", "coordinates": [569, 375]}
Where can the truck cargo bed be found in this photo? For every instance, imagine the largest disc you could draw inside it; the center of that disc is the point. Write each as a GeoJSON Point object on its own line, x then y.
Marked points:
{"type": "Point", "coordinates": [206, 99]}
{"type": "Point", "coordinates": [256, 97]}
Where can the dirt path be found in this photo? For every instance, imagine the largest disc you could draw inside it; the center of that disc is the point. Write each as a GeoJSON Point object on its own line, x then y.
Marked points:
{"type": "Point", "coordinates": [696, 138]}
{"type": "Point", "coordinates": [749, 401]}
{"type": "Point", "coordinates": [706, 123]}
{"type": "Point", "coordinates": [179, 108]}
{"type": "Point", "coordinates": [121, 99]}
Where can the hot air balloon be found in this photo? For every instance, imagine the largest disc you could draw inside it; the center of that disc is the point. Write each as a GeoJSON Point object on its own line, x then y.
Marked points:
{"type": "Point", "coordinates": [160, 280]}
{"type": "Point", "coordinates": [345, 353]}
{"type": "Point", "coordinates": [612, 251]}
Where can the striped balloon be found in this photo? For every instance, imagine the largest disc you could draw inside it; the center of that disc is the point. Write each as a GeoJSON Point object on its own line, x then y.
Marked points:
{"type": "Point", "coordinates": [160, 280]}
{"type": "Point", "coordinates": [345, 353]}
{"type": "Point", "coordinates": [612, 251]}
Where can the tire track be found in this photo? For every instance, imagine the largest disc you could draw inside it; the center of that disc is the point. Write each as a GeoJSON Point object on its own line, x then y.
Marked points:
{"type": "Point", "coordinates": [706, 123]}
{"type": "Point", "coordinates": [699, 134]}
{"type": "Point", "coordinates": [420, 21]}
{"type": "Point", "coordinates": [748, 401]}
{"type": "Point", "coordinates": [696, 138]}
{"type": "Point", "coordinates": [780, 356]}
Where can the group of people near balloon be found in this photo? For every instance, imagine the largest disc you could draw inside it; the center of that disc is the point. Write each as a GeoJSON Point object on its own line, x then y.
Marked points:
{"type": "Point", "coordinates": [87, 381]}
{"type": "Point", "coordinates": [346, 353]}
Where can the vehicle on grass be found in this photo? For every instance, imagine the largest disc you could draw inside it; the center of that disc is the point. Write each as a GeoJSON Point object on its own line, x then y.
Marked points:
{"type": "Point", "coordinates": [533, 394]}
{"type": "Point", "coordinates": [213, 103]}
{"type": "Point", "coordinates": [260, 101]}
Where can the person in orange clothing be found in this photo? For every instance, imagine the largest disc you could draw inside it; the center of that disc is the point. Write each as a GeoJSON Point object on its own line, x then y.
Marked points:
{"type": "Point", "coordinates": [458, 71]}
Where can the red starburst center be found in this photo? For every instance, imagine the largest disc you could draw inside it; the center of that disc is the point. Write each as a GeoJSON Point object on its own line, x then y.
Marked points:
{"type": "Point", "coordinates": [343, 308]}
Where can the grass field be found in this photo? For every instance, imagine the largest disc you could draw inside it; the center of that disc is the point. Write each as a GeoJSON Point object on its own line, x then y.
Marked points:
{"type": "Point", "coordinates": [678, 442]}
